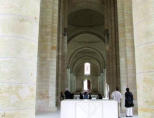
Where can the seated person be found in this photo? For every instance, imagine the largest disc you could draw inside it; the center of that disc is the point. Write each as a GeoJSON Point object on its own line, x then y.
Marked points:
{"type": "Point", "coordinates": [72, 96]}
{"type": "Point", "coordinates": [81, 96]}
{"type": "Point", "coordinates": [68, 94]}
{"type": "Point", "coordinates": [85, 95]}
{"type": "Point", "coordinates": [99, 96]}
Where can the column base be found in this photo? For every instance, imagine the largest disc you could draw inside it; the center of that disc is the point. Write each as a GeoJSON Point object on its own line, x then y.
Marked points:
{"type": "Point", "coordinates": [44, 106]}
{"type": "Point", "coordinates": [46, 110]}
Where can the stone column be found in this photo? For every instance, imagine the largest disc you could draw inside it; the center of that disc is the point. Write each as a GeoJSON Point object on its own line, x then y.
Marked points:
{"type": "Point", "coordinates": [69, 82]}
{"type": "Point", "coordinates": [143, 17]}
{"type": "Point", "coordinates": [19, 24]}
{"type": "Point", "coordinates": [62, 82]}
{"type": "Point", "coordinates": [79, 83]}
{"type": "Point", "coordinates": [47, 56]}
{"type": "Point", "coordinates": [101, 83]}
{"type": "Point", "coordinates": [94, 82]}
{"type": "Point", "coordinates": [74, 87]}
{"type": "Point", "coordinates": [126, 49]}
{"type": "Point", "coordinates": [112, 60]}
{"type": "Point", "coordinates": [72, 84]}
{"type": "Point", "coordinates": [105, 84]}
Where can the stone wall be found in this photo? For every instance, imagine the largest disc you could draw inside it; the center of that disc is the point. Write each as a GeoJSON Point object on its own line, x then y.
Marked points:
{"type": "Point", "coordinates": [19, 24]}
{"type": "Point", "coordinates": [143, 20]}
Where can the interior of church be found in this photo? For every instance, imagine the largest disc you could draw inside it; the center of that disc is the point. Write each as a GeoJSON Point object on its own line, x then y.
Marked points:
{"type": "Point", "coordinates": [93, 47]}
{"type": "Point", "coordinates": [87, 33]}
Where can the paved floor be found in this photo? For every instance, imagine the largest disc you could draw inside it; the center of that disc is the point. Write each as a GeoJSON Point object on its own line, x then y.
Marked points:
{"type": "Point", "coordinates": [123, 116]}
{"type": "Point", "coordinates": [48, 115]}
{"type": "Point", "coordinates": [57, 115]}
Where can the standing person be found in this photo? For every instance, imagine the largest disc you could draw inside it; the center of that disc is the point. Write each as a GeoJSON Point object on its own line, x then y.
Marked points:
{"type": "Point", "coordinates": [129, 103]}
{"type": "Point", "coordinates": [116, 95]}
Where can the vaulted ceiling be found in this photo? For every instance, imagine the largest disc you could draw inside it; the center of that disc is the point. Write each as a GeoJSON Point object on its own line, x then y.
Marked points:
{"type": "Point", "coordinates": [92, 37]}
{"type": "Point", "coordinates": [86, 41]}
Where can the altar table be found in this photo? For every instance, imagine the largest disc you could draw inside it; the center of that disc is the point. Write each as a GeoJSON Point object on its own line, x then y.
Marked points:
{"type": "Point", "coordinates": [89, 109]}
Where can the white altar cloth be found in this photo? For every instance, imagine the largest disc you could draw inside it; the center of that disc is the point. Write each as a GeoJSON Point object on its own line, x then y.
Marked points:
{"type": "Point", "coordinates": [89, 109]}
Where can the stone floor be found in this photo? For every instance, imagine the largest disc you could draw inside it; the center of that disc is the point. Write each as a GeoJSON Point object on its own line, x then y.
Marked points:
{"type": "Point", "coordinates": [57, 115]}
{"type": "Point", "coordinates": [48, 115]}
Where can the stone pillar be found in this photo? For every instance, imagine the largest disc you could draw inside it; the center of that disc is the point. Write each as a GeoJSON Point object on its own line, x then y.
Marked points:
{"type": "Point", "coordinates": [106, 86]}
{"type": "Point", "coordinates": [112, 60]}
{"type": "Point", "coordinates": [103, 88]}
{"type": "Point", "coordinates": [19, 24]}
{"type": "Point", "coordinates": [62, 48]}
{"type": "Point", "coordinates": [79, 83]}
{"type": "Point", "coordinates": [126, 49]}
{"type": "Point", "coordinates": [143, 17]}
{"type": "Point", "coordinates": [72, 84]}
{"type": "Point", "coordinates": [74, 87]}
{"type": "Point", "coordinates": [69, 82]}
{"type": "Point", "coordinates": [47, 57]}
{"type": "Point", "coordinates": [101, 83]}
{"type": "Point", "coordinates": [94, 83]}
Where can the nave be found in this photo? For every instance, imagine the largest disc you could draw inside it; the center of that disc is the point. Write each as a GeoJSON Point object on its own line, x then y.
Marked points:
{"type": "Point", "coordinates": [45, 45]}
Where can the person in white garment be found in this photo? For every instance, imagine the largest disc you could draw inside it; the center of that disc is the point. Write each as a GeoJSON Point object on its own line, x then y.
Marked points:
{"type": "Point", "coordinates": [116, 95]}
{"type": "Point", "coordinates": [129, 103]}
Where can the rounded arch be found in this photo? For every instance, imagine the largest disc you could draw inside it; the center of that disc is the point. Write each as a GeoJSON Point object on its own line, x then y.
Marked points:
{"type": "Point", "coordinates": [81, 60]}
{"type": "Point", "coordinates": [86, 18]}
{"type": "Point", "coordinates": [79, 50]}
{"type": "Point", "coordinates": [79, 66]}
{"type": "Point", "coordinates": [87, 5]}
{"type": "Point", "coordinates": [80, 32]}
{"type": "Point", "coordinates": [86, 56]}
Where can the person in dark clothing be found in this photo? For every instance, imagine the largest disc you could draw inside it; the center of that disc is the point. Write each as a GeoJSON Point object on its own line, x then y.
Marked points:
{"type": "Point", "coordinates": [85, 95]}
{"type": "Point", "coordinates": [90, 96]}
{"type": "Point", "coordinates": [72, 95]}
{"type": "Point", "coordinates": [81, 96]}
{"type": "Point", "coordinates": [129, 103]}
{"type": "Point", "coordinates": [68, 94]}
{"type": "Point", "coordinates": [99, 96]}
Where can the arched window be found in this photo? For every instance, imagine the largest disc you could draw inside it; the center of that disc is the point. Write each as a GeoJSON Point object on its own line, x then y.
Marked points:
{"type": "Point", "coordinates": [85, 85]}
{"type": "Point", "coordinates": [86, 68]}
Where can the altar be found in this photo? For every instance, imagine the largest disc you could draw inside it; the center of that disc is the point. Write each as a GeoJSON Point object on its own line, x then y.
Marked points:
{"type": "Point", "coordinates": [89, 109]}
